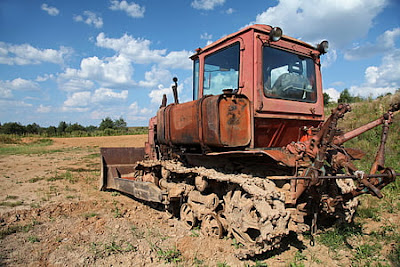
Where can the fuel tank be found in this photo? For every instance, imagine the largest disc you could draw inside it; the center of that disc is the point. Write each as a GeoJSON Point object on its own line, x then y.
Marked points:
{"type": "Point", "coordinates": [212, 121]}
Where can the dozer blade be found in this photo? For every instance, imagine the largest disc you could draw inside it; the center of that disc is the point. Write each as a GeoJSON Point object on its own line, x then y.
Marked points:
{"type": "Point", "coordinates": [117, 166]}
{"type": "Point", "coordinates": [116, 162]}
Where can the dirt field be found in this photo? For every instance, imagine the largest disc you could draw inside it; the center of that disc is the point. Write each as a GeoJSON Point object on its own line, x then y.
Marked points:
{"type": "Point", "coordinates": [52, 214]}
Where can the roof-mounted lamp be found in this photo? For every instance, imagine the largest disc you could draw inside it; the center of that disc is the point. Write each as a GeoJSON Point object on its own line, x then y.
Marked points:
{"type": "Point", "coordinates": [275, 34]}
{"type": "Point", "coordinates": [323, 47]}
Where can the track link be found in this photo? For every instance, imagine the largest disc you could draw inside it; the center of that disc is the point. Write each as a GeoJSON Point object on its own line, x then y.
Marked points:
{"type": "Point", "coordinates": [249, 209]}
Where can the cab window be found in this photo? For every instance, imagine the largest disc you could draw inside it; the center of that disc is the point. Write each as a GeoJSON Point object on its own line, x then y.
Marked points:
{"type": "Point", "coordinates": [221, 70]}
{"type": "Point", "coordinates": [288, 76]}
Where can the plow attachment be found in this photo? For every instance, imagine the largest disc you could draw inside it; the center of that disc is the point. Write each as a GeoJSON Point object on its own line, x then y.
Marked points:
{"type": "Point", "coordinates": [117, 173]}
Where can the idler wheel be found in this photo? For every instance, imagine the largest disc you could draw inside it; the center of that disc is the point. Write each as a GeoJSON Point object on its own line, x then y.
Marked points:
{"type": "Point", "coordinates": [187, 216]}
{"type": "Point", "coordinates": [211, 226]}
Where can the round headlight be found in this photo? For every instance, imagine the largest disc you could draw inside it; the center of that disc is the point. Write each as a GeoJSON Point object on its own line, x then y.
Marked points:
{"type": "Point", "coordinates": [275, 34]}
{"type": "Point", "coordinates": [323, 47]}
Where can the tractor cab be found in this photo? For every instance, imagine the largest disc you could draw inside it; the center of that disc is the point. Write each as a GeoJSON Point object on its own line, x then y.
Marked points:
{"type": "Point", "coordinates": [280, 76]}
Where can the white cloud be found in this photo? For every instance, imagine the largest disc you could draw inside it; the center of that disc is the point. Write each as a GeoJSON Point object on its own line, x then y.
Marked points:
{"type": "Point", "coordinates": [380, 79]}
{"type": "Point", "coordinates": [154, 77]}
{"type": "Point", "coordinates": [90, 18]}
{"type": "Point", "coordinates": [112, 71]}
{"type": "Point", "coordinates": [339, 21]}
{"type": "Point", "coordinates": [44, 78]}
{"type": "Point", "coordinates": [138, 50]}
{"type": "Point", "coordinates": [156, 95]}
{"type": "Point", "coordinates": [177, 60]}
{"type": "Point", "coordinates": [329, 58]}
{"type": "Point", "coordinates": [206, 36]}
{"type": "Point", "coordinates": [5, 92]}
{"type": "Point", "coordinates": [26, 54]}
{"type": "Point", "coordinates": [18, 84]}
{"type": "Point", "coordinates": [333, 94]}
{"type": "Point", "coordinates": [52, 11]}
{"type": "Point", "coordinates": [105, 95]}
{"type": "Point", "coordinates": [132, 9]}
{"type": "Point", "coordinates": [100, 96]}
{"type": "Point", "coordinates": [78, 99]}
{"type": "Point", "coordinates": [75, 84]}
{"type": "Point", "coordinates": [384, 43]}
{"type": "Point", "coordinates": [230, 11]}
{"type": "Point", "coordinates": [43, 109]}
{"type": "Point", "coordinates": [207, 4]}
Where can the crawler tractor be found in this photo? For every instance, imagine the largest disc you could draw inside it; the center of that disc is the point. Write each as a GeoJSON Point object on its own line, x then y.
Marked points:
{"type": "Point", "coordinates": [252, 156]}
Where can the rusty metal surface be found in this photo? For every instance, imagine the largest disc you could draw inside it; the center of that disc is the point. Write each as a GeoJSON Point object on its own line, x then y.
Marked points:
{"type": "Point", "coordinates": [117, 161]}
{"type": "Point", "coordinates": [213, 121]}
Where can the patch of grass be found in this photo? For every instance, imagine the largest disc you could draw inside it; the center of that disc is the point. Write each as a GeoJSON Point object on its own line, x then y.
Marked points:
{"type": "Point", "coordinates": [39, 146]}
{"type": "Point", "coordinates": [102, 250]}
{"type": "Point", "coordinates": [63, 176]}
{"type": "Point", "coordinates": [33, 239]}
{"type": "Point", "coordinates": [115, 194]}
{"type": "Point", "coordinates": [11, 204]}
{"type": "Point", "coordinates": [35, 179]}
{"type": "Point", "coordinates": [298, 260]}
{"type": "Point", "coordinates": [9, 230]}
{"type": "Point", "coordinates": [116, 211]}
{"type": "Point", "coordinates": [371, 212]}
{"type": "Point", "coordinates": [169, 255]}
{"type": "Point", "coordinates": [139, 234]}
{"type": "Point", "coordinates": [336, 237]}
{"type": "Point", "coordinates": [258, 264]}
{"type": "Point", "coordinates": [92, 156]}
{"type": "Point", "coordinates": [195, 232]}
{"type": "Point", "coordinates": [367, 254]}
{"type": "Point", "coordinates": [235, 244]}
{"type": "Point", "coordinates": [222, 264]}
{"type": "Point", "coordinates": [9, 139]}
{"type": "Point", "coordinates": [11, 197]}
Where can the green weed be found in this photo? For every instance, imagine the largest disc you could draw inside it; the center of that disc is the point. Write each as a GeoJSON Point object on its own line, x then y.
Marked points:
{"type": "Point", "coordinates": [336, 237]}
{"type": "Point", "coordinates": [33, 239]}
{"type": "Point", "coordinates": [11, 204]}
{"type": "Point", "coordinates": [116, 211]}
{"type": "Point", "coordinates": [137, 233]}
{"type": "Point", "coordinates": [6, 231]}
{"type": "Point", "coordinates": [195, 232]}
{"type": "Point", "coordinates": [11, 197]}
{"type": "Point", "coordinates": [35, 179]}
{"type": "Point", "coordinates": [169, 255]}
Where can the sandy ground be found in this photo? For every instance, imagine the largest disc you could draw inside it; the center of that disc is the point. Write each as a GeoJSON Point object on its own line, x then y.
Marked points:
{"type": "Point", "coordinates": [56, 216]}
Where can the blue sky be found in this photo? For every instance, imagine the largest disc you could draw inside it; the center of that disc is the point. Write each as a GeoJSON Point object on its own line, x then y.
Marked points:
{"type": "Point", "coordinates": [81, 61]}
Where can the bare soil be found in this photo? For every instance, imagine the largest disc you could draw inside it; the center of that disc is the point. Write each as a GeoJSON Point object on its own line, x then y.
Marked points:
{"type": "Point", "coordinates": [52, 214]}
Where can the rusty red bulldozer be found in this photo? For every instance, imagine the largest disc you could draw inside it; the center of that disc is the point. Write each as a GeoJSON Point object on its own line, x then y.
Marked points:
{"type": "Point", "coordinates": [252, 155]}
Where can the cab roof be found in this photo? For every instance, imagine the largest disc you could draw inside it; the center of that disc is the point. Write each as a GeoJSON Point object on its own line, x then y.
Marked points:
{"type": "Point", "coordinates": [256, 27]}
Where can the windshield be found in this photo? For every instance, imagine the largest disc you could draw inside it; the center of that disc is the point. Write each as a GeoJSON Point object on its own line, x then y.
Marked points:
{"type": "Point", "coordinates": [288, 76]}
{"type": "Point", "coordinates": [221, 71]}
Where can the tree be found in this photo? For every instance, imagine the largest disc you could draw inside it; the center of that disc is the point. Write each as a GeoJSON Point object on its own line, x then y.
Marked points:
{"type": "Point", "coordinates": [51, 131]}
{"type": "Point", "coordinates": [326, 99]}
{"type": "Point", "coordinates": [106, 123]}
{"type": "Point", "coordinates": [120, 124]}
{"type": "Point", "coordinates": [61, 127]}
{"type": "Point", "coordinates": [13, 128]}
{"type": "Point", "coordinates": [345, 97]}
{"type": "Point", "coordinates": [33, 128]}
{"type": "Point", "coordinates": [75, 127]}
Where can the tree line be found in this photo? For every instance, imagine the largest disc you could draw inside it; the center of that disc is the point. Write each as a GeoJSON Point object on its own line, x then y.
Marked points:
{"type": "Point", "coordinates": [346, 97]}
{"type": "Point", "coordinates": [106, 127]}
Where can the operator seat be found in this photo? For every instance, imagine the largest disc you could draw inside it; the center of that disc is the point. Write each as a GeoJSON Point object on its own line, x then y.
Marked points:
{"type": "Point", "coordinates": [292, 85]}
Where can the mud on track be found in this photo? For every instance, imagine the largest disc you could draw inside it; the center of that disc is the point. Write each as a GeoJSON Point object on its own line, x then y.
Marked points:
{"type": "Point", "coordinates": [52, 214]}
